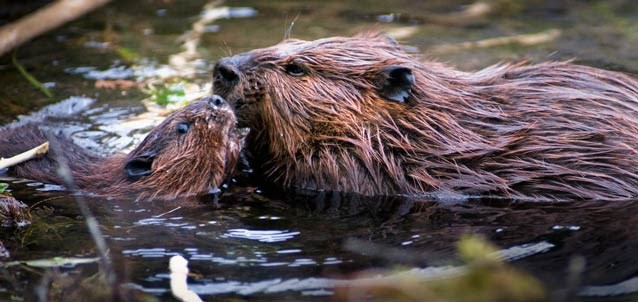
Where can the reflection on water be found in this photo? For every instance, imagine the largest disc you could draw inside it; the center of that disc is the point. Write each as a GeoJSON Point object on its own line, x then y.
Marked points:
{"type": "Point", "coordinates": [291, 246]}
{"type": "Point", "coordinates": [261, 235]}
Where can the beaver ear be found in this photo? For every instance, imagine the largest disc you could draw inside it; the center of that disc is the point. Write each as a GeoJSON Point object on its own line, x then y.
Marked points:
{"type": "Point", "coordinates": [140, 165]}
{"type": "Point", "coordinates": [395, 83]}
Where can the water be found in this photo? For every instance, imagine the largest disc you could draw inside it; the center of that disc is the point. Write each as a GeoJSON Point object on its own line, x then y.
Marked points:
{"type": "Point", "coordinates": [260, 244]}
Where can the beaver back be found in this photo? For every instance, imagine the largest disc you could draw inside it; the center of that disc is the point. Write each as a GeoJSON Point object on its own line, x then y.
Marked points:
{"type": "Point", "coordinates": [361, 115]}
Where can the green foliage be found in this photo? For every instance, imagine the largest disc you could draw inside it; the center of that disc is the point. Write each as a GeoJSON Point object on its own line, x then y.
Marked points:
{"type": "Point", "coordinates": [164, 95]}
{"type": "Point", "coordinates": [484, 277]}
{"type": "Point", "coordinates": [473, 249]}
{"type": "Point", "coordinates": [3, 187]}
{"type": "Point", "coordinates": [34, 82]}
{"type": "Point", "coordinates": [488, 278]}
{"type": "Point", "coordinates": [128, 54]}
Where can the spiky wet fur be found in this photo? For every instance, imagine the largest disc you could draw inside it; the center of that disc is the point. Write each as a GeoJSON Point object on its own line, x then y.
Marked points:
{"type": "Point", "coordinates": [186, 164]}
{"type": "Point", "coordinates": [546, 131]}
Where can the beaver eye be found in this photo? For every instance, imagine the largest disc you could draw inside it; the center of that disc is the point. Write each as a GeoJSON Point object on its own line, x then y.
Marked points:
{"type": "Point", "coordinates": [295, 70]}
{"type": "Point", "coordinates": [182, 128]}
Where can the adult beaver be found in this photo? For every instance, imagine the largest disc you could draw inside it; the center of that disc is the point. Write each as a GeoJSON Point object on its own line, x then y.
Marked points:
{"type": "Point", "coordinates": [188, 153]}
{"type": "Point", "coordinates": [360, 114]}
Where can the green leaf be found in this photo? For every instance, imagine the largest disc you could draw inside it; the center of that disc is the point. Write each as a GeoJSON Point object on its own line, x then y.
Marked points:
{"type": "Point", "coordinates": [3, 187]}
{"type": "Point", "coordinates": [31, 78]}
{"type": "Point", "coordinates": [165, 95]}
{"type": "Point", "coordinates": [128, 54]}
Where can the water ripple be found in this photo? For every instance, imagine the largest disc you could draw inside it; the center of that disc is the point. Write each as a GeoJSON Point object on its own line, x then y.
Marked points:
{"type": "Point", "coordinates": [150, 253]}
{"type": "Point", "coordinates": [261, 235]}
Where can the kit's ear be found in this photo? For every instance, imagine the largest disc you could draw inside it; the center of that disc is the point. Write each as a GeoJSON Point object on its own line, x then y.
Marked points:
{"type": "Point", "coordinates": [140, 165]}
{"type": "Point", "coordinates": [395, 83]}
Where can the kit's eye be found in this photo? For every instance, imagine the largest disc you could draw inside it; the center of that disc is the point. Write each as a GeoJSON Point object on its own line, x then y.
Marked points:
{"type": "Point", "coordinates": [182, 128]}
{"type": "Point", "coordinates": [295, 70]}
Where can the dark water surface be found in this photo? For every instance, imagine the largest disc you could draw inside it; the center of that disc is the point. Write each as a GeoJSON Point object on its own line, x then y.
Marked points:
{"type": "Point", "coordinates": [259, 244]}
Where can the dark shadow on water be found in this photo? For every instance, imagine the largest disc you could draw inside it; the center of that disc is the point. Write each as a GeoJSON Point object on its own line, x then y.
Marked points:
{"type": "Point", "coordinates": [247, 237]}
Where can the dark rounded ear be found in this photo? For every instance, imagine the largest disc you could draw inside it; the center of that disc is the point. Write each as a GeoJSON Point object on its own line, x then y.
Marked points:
{"type": "Point", "coordinates": [140, 165]}
{"type": "Point", "coordinates": [395, 83]}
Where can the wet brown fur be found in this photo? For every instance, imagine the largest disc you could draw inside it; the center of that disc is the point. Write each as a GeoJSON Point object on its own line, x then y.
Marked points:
{"type": "Point", "coordinates": [184, 164]}
{"type": "Point", "coordinates": [550, 131]}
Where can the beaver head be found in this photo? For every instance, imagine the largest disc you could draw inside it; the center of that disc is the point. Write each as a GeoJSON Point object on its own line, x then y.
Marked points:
{"type": "Point", "coordinates": [314, 107]}
{"type": "Point", "coordinates": [308, 84]}
{"type": "Point", "coordinates": [362, 115]}
{"type": "Point", "coordinates": [190, 152]}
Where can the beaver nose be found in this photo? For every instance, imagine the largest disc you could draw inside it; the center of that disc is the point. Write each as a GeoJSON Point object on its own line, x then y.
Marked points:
{"type": "Point", "coordinates": [225, 73]}
{"type": "Point", "coordinates": [216, 101]}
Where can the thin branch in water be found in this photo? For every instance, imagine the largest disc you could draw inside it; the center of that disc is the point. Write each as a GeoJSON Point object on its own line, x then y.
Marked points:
{"type": "Point", "coordinates": [34, 82]}
{"type": "Point", "coordinates": [92, 224]}
{"type": "Point", "coordinates": [171, 211]}
{"type": "Point", "coordinates": [42, 290]}
{"type": "Point", "coordinates": [33, 206]}
{"type": "Point", "coordinates": [524, 39]}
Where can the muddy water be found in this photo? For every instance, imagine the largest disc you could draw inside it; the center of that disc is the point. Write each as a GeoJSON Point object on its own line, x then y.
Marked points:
{"type": "Point", "coordinates": [258, 244]}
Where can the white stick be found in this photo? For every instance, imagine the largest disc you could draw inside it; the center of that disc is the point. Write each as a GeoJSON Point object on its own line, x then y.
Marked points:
{"type": "Point", "coordinates": [24, 156]}
{"type": "Point", "coordinates": [179, 271]}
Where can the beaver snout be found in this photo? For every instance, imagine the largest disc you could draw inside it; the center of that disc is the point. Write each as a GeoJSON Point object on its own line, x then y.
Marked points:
{"type": "Point", "coordinates": [216, 101]}
{"type": "Point", "coordinates": [225, 74]}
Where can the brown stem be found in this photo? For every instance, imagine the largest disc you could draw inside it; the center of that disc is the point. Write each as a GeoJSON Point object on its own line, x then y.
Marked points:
{"type": "Point", "coordinates": [43, 20]}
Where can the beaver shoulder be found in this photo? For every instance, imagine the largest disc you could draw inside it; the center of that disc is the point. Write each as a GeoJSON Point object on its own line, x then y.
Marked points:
{"type": "Point", "coordinates": [190, 152]}
{"type": "Point", "coordinates": [361, 115]}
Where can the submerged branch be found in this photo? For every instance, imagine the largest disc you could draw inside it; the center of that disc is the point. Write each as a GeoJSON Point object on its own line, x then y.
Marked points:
{"type": "Point", "coordinates": [24, 156]}
{"type": "Point", "coordinates": [471, 14]}
{"type": "Point", "coordinates": [43, 20]}
{"type": "Point", "coordinates": [524, 39]}
{"type": "Point", "coordinates": [64, 171]}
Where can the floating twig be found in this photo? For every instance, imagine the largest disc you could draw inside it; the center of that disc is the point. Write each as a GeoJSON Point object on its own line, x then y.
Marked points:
{"type": "Point", "coordinates": [165, 213]}
{"type": "Point", "coordinates": [24, 156]}
{"type": "Point", "coordinates": [179, 271]}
